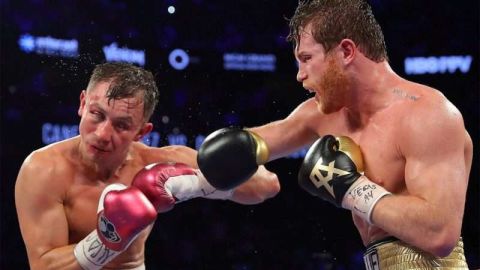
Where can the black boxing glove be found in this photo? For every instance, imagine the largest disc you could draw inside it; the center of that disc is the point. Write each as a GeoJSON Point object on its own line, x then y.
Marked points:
{"type": "Point", "coordinates": [230, 156]}
{"type": "Point", "coordinates": [333, 171]}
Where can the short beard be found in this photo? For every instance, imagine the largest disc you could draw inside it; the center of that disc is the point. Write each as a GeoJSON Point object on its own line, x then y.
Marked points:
{"type": "Point", "coordinates": [335, 86]}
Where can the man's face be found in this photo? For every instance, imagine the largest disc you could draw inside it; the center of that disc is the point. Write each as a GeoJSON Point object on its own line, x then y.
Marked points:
{"type": "Point", "coordinates": [321, 73]}
{"type": "Point", "coordinates": [108, 129]}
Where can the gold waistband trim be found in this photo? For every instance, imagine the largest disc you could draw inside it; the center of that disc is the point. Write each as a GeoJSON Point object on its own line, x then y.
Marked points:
{"type": "Point", "coordinates": [398, 255]}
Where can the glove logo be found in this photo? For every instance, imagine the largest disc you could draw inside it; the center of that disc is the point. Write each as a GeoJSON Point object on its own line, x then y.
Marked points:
{"type": "Point", "coordinates": [108, 230]}
{"type": "Point", "coordinates": [317, 178]}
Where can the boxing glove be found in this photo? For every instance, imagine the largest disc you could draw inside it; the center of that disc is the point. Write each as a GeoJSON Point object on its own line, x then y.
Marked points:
{"type": "Point", "coordinates": [333, 170]}
{"type": "Point", "coordinates": [122, 214]}
{"type": "Point", "coordinates": [167, 183]}
{"type": "Point", "coordinates": [230, 156]}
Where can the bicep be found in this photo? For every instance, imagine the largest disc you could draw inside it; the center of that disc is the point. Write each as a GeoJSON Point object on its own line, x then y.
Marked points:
{"type": "Point", "coordinates": [435, 163]}
{"type": "Point", "coordinates": [41, 215]}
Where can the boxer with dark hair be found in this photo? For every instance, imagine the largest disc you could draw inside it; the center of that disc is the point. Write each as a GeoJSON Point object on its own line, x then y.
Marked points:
{"type": "Point", "coordinates": [89, 202]}
{"type": "Point", "coordinates": [400, 156]}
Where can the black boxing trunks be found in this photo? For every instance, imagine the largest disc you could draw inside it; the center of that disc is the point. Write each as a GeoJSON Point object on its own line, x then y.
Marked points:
{"type": "Point", "coordinates": [393, 254]}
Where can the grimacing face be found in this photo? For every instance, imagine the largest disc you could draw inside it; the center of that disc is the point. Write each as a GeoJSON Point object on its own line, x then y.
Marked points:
{"type": "Point", "coordinates": [321, 73]}
{"type": "Point", "coordinates": [108, 128]}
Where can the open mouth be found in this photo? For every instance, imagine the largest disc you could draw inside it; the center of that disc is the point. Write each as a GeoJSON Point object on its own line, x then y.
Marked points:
{"type": "Point", "coordinates": [312, 93]}
{"type": "Point", "coordinates": [307, 88]}
{"type": "Point", "coordinates": [98, 149]}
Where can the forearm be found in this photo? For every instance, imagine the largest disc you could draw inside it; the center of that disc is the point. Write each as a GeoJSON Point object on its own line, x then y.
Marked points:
{"type": "Point", "coordinates": [256, 191]}
{"type": "Point", "coordinates": [58, 258]}
{"type": "Point", "coordinates": [418, 222]}
{"type": "Point", "coordinates": [250, 197]}
{"type": "Point", "coordinates": [261, 186]}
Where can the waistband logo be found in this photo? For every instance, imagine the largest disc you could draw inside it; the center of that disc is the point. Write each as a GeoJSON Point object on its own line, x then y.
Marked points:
{"type": "Point", "coordinates": [371, 260]}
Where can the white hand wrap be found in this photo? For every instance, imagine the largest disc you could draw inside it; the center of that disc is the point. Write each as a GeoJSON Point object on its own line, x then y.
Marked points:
{"type": "Point", "coordinates": [362, 196]}
{"type": "Point", "coordinates": [92, 254]}
{"type": "Point", "coordinates": [185, 187]}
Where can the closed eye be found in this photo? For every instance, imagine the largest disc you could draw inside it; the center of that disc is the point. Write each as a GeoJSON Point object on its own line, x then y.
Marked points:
{"type": "Point", "coordinates": [123, 124]}
{"type": "Point", "coordinates": [97, 115]}
{"type": "Point", "coordinates": [305, 58]}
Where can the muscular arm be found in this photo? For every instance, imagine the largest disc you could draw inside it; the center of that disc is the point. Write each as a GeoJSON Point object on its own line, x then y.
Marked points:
{"type": "Point", "coordinates": [41, 216]}
{"type": "Point", "coordinates": [261, 186]}
{"type": "Point", "coordinates": [282, 137]}
{"type": "Point", "coordinates": [285, 136]}
{"type": "Point", "coordinates": [436, 176]}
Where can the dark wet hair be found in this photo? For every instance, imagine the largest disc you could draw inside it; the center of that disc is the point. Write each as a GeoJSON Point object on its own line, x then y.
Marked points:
{"type": "Point", "coordinates": [127, 81]}
{"type": "Point", "coordinates": [334, 20]}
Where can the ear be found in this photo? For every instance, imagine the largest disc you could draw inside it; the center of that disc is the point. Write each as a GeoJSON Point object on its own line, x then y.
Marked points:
{"type": "Point", "coordinates": [83, 95]}
{"type": "Point", "coordinates": [348, 50]}
{"type": "Point", "coordinates": [147, 127]}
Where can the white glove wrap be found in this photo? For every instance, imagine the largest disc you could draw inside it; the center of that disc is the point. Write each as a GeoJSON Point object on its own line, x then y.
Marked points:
{"type": "Point", "coordinates": [185, 187]}
{"type": "Point", "coordinates": [92, 254]}
{"type": "Point", "coordinates": [362, 196]}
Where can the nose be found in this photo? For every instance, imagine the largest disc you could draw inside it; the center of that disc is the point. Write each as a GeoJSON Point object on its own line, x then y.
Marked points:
{"type": "Point", "coordinates": [301, 75]}
{"type": "Point", "coordinates": [104, 132]}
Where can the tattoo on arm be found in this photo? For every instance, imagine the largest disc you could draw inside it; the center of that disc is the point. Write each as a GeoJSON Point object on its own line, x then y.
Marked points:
{"type": "Point", "coordinates": [403, 94]}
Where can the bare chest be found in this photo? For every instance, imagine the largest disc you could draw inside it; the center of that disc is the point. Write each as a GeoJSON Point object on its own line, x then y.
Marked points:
{"type": "Point", "coordinates": [81, 201]}
{"type": "Point", "coordinates": [383, 161]}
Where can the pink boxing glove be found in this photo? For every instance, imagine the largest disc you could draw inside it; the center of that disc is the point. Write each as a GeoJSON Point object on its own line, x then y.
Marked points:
{"type": "Point", "coordinates": [121, 215]}
{"type": "Point", "coordinates": [125, 213]}
{"type": "Point", "coordinates": [166, 183]}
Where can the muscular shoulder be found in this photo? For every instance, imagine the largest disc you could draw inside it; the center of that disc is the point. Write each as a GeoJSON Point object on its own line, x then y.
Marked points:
{"type": "Point", "coordinates": [174, 153]}
{"type": "Point", "coordinates": [429, 116]}
{"type": "Point", "coordinates": [428, 106]}
{"type": "Point", "coordinates": [306, 110]}
{"type": "Point", "coordinates": [47, 159]}
{"type": "Point", "coordinates": [45, 169]}
{"type": "Point", "coordinates": [308, 115]}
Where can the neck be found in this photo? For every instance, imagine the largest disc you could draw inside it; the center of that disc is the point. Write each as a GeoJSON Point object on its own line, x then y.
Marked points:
{"type": "Point", "coordinates": [370, 84]}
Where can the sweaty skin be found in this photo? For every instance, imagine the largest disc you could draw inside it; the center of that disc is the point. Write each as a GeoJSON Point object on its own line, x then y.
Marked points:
{"type": "Point", "coordinates": [58, 187]}
{"type": "Point", "coordinates": [413, 140]}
